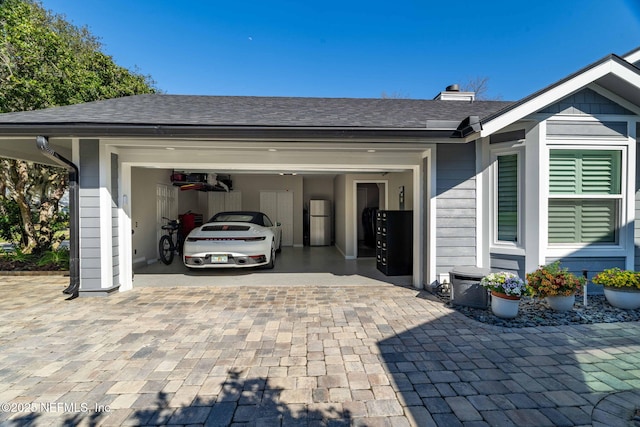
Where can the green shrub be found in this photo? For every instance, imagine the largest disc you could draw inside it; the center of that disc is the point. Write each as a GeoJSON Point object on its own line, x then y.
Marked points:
{"type": "Point", "coordinates": [18, 256]}
{"type": "Point", "coordinates": [58, 259]}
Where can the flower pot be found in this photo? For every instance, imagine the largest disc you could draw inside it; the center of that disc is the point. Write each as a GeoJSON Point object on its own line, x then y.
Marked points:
{"type": "Point", "coordinates": [561, 302]}
{"type": "Point", "coordinates": [625, 298]}
{"type": "Point", "coordinates": [505, 306]}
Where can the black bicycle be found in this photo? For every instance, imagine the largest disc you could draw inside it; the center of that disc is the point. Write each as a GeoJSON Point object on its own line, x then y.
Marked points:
{"type": "Point", "coordinates": [169, 244]}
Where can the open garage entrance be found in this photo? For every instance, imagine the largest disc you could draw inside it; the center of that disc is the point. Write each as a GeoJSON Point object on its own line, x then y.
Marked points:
{"type": "Point", "coordinates": [318, 266]}
{"type": "Point", "coordinates": [286, 197]}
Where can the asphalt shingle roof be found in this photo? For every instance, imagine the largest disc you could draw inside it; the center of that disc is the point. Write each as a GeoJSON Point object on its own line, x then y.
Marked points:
{"type": "Point", "coordinates": [185, 110]}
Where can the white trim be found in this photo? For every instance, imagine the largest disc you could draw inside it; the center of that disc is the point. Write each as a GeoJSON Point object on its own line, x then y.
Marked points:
{"type": "Point", "coordinates": [631, 195]}
{"type": "Point", "coordinates": [561, 91]}
{"type": "Point", "coordinates": [632, 56]}
{"type": "Point", "coordinates": [616, 99]}
{"type": "Point", "coordinates": [483, 258]}
{"type": "Point", "coordinates": [418, 254]}
{"type": "Point", "coordinates": [429, 200]}
{"type": "Point", "coordinates": [106, 232]}
{"type": "Point", "coordinates": [518, 150]}
{"type": "Point", "coordinates": [626, 196]}
{"type": "Point", "coordinates": [535, 230]}
{"type": "Point", "coordinates": [125, 236]}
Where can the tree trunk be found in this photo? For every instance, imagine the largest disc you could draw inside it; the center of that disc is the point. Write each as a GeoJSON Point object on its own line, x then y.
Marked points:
{"type": "Point", "coordinates": [29, 240]}
{"type": "Point", "coordinates": [48, 211]}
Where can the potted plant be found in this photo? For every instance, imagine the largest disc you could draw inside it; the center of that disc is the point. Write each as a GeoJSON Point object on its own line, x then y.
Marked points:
{"type": "Point", "coordinates": [506, 289]}
{"type": "Point", "coordinates": [556, 285]}
{"type": "Point", "coordinates": [621, 287]}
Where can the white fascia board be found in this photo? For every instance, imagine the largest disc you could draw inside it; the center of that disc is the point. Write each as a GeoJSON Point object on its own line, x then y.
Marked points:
{"type": "Point", "coordinates": [559, 92]}
{"type": "Point", "coordinates": [632, 57]}
{"type": "Point", "coordinates": [616, 98]}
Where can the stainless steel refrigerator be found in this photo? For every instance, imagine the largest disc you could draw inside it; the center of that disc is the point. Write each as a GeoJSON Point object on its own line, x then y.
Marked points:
{"type": "Point", "coordinates": [320, 222]}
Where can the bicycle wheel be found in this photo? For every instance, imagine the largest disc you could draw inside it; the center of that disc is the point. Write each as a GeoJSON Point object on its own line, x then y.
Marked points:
{"type": "Point", "coordinates": [165, 247]}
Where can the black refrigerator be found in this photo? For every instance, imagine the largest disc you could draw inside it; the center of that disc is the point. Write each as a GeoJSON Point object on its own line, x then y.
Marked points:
{"type": "Point", "coordinates": [394, 242]}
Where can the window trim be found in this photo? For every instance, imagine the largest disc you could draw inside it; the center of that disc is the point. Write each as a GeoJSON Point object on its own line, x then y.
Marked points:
{"type": "Point", "coordinates": [556, 249]}
{"type": "Point", "coordinates": [504, 246]}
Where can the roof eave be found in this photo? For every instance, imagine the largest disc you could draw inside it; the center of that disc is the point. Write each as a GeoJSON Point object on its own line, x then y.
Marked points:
{"type": "Point", "coordinates": [554, 92]}
{"type": "Point", "coordinates": [267, 133]}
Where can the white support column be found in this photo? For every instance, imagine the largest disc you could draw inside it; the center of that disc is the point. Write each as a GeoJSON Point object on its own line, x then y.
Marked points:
{"type": "Point", "coordinates": [483, 192]}
{"type": "Point", "coordinates": [535, 198]}
{"type": "Point", "coordinates": [125, 239]}
{"type": "Point", "coordinates": [418, 224]}
{"type": "Point", "coordinates": [106, 237]}
{"type": "Point", "coordinates": [631, 197]}
{"type": "Point", "coordinates": [428, 200]}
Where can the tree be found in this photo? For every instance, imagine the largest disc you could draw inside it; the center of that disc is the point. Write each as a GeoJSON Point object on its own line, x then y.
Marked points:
{"type": "Point", "coordinates": [479, 85]}
{"type": "Point", "coordinates": [46, 61]}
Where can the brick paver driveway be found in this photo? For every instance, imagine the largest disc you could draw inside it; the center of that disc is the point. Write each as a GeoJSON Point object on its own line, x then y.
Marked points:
{"type": "Point", "coordinates": [294, 355]}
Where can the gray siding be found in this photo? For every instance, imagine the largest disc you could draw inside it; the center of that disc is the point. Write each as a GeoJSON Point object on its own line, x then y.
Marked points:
{"type": "Point", "coordinates": [455, 206]}
{"type": "Point", "coordinates": [586, 102]}
{"type": "Point", "coordinates": [90, 276]}
{"type": "Point", "coordinates": [511, 263]}
{"type": "Point", "coordinates": [592, 265]}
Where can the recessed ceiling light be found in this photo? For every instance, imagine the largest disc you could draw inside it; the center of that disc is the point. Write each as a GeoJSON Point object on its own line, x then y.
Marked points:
{"type": "Point", "coordinates": [272, 149]}
{"type": "Point", "coordinates": [371, 151]}
{"type": "Point", "coordinates": [169, 148]}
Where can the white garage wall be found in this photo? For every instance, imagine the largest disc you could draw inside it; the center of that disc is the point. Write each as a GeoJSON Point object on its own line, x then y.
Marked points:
{"type": "Point", "coordinates": [339, 191]}
{"type": "Point", "coordinates": [143, 211]}
{"type": "Point", "coordinates": [188, 201]}
{"type": "Point", "coordinates": [250, 186]}
{"type": "Point", "coordinates": [345, 203]}
{"type": "Point", "coordinates": [395, 181]}
{"type": "Point", "coordinates": [318, 188]}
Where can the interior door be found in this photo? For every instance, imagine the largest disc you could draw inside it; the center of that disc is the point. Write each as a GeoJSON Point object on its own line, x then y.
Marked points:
{"type": "Point", "coordinates": [166, 206]}
{"type": "Point", "coordinates": [278, 205]}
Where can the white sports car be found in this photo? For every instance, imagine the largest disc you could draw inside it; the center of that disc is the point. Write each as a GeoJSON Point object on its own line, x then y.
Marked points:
{"type": "Point", "coordinates": [233, 239]}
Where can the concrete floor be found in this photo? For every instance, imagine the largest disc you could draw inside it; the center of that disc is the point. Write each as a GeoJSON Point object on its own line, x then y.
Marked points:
{"type": "Point", "coordinates": [321, 266]}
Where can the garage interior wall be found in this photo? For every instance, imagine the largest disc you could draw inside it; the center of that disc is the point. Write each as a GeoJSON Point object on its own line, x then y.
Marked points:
{"type": "Point", "coordinates": [344, 196]}
{"type": "Point", "coordinates": [318, 188]}
{"type": "Point", "coordinates": [250, 185]}
{"type": "Point", "coordinates": [339, 209]}
{"type": "Point", "coordinates": [143, 212]}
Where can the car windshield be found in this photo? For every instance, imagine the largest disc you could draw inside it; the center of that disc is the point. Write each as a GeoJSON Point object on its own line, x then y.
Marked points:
{"type": "Point", "coordinates": [233, 218]}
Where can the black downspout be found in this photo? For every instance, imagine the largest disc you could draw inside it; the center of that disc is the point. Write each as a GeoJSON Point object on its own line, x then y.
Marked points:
{"type": "Point", "coordinates": [74, 214]}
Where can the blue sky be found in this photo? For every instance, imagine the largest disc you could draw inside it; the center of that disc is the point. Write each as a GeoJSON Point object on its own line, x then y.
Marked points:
{"type": "Point", "coordinates": [328, 48]}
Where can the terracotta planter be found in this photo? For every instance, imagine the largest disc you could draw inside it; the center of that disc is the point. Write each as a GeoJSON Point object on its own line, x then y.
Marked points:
{"type": "Point", "coordinates": [503, 305]}
{"type": "Point", "coordinates": [625, 298]}
{"type": "Point", "coordinates": [561, 302]}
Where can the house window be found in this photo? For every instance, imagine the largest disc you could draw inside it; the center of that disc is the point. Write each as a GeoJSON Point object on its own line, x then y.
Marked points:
{"type": "Point", "coordinates": [585, 196]}
{"type": "Point", "coordinates": [507, 198]}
